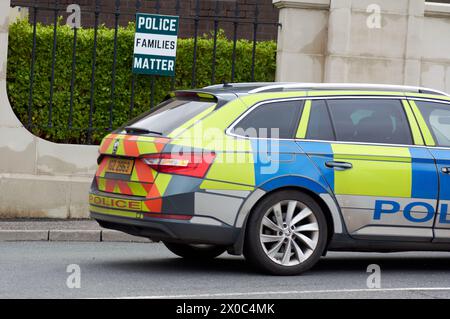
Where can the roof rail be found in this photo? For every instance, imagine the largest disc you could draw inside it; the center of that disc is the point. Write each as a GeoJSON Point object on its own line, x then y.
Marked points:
{"type": "Point", "coordinates": [344, 86]}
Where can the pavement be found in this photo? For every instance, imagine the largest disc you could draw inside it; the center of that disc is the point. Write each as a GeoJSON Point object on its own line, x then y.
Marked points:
{"type": "Point", "coordinates": [60, 230]}
{"type": "Point", "coordinates": [139, 270]}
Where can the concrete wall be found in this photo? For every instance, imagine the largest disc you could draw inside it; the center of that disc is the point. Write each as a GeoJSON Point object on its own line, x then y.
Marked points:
{"type": "Point", "coordinates": [38, 178]}
{"type": "Point", "coordinates": [344, 41]}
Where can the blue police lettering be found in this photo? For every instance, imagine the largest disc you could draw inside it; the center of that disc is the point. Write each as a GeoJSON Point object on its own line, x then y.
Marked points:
{"type": "Point", "coordinates": [384, 207]}
{"type": "Point", "coordinates": [444, 214]}
{"type": "Point", "coordinates": [380, 210]}
{"type": "Point", "coordinates": [408, 209]}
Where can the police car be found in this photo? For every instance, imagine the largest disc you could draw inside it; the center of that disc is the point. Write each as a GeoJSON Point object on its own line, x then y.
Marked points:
{"type": "Point", "coordinates": [282, 172]}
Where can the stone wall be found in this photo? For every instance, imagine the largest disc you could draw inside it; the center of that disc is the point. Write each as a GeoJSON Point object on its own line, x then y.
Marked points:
{"type": "Point", "coordinates": [38, 178]}
{"type": "Point", "coordinates": [393, 42]}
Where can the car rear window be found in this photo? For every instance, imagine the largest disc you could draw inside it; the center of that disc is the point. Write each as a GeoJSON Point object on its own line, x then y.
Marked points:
{"type": "Point", "coordinates": [168, 116]}
{"type": "Point", "coordinates": [271, 120]}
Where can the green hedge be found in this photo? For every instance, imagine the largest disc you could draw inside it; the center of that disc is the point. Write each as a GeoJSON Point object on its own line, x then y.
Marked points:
{"type": "Point", "coordinates": [19, 60]}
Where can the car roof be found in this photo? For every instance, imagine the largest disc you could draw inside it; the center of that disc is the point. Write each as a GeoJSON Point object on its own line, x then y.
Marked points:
{"type": "Point", "coordinates": [229, 91]}
{"type": "Point", "coordinates": [261, 87]}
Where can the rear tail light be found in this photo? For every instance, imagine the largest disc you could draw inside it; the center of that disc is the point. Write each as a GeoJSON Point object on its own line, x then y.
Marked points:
{"type": "Point", "coordinates": [188, 164]}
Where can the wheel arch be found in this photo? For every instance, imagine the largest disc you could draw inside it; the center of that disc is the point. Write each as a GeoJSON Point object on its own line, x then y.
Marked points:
{"type": "Point", "coordinates": [326, 202]}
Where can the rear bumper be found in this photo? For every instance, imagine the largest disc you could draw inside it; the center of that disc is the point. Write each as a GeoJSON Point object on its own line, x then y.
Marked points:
{"type": "Point", "coordinates": [170, 230]}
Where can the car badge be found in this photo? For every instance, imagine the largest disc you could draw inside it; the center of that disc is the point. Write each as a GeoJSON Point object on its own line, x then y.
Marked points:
{"type": "Point", "coordinates": [115, 147]}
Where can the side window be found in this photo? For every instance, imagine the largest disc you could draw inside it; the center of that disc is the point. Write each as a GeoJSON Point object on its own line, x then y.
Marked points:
{"type": "Point", "coordinates": [370, 121]}
{"type": "Point", "coordinates": [437, 117]}
{"type": "Point", "coordinates": [319, 125]}
{"type": "Point", "coordinates": [271, 120]}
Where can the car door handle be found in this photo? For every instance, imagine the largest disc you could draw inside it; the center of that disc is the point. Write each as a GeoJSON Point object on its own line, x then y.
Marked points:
{"type": "Point", "coordinates": [445, 170]}
{"type": "Point", "coordinates": [339, 166]}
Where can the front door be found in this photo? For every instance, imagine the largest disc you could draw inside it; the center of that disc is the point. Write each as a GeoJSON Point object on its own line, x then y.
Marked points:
{"type": "Point", "coordinates": [436, 127]}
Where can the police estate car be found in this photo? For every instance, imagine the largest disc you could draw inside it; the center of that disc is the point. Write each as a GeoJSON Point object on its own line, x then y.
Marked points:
{"type": "Point", "coordinates": [282, 172]}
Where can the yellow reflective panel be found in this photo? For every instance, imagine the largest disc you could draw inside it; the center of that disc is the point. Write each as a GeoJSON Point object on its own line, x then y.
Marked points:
{"type": "Point", "coordinates": [303, 125]}
{"type": "Point", "coordinates": [429, 140]}
{"type": "Point", "coordinates": [233, 168]}
{"type": "Point", "coordinates": [137, 189]}
{"type": "Point", "coordinates": [146, 147]}
{"type": "Point", "coordinates": [146, 139]}
{"type": "Point", "coordinates": [417, 135]}
{"type": "Point", "coordinates": [101, 184]}
{"type": "Point", "coordinates": [209, 133]}
{"type": "Point", "coordinates": [206, 95]}
{"type": "Point", "coordinates": [377, 170]}
{"type": "Point", "coordinates": [161, 182]}
{"type": "Point", "coordinates": [374, 151]}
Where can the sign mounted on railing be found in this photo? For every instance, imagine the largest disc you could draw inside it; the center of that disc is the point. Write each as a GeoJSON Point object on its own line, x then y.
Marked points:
{"type": "Point", "coordinates": [155, 44]}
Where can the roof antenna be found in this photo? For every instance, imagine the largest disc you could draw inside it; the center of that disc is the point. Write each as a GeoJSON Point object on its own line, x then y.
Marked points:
{"type": "Point", "coordinates": [227, 85]}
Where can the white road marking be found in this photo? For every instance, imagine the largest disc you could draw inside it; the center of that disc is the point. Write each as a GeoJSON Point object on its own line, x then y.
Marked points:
{"type": "Point", "coordinates": [291, 292]}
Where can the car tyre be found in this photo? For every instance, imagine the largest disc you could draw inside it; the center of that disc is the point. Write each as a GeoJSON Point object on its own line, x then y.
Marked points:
{"type": "Point", "coordinates": [286, 233]}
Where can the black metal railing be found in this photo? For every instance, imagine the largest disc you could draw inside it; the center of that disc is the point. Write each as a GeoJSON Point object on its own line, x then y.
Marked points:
{"type": "Point", "coordinates": [114, 14]}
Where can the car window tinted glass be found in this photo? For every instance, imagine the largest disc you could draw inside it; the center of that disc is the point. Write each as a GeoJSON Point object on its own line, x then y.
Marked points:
{"type": "Point", "coordinates": [437, 116]}
{"type": "Point", "coordinates": [370, 121]}
{"type": "Point", "coordinates": [169, 115]}
{"type": "Point", "coordinates": [319, 125]}
{"type": "Point", "coordinates": [271, 120]}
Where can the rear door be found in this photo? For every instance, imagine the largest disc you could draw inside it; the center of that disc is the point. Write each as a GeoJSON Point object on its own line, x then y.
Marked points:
{"type": "Point", "coordinates": [369, 151]}
{"type": "Point", "coordinates": [435, 119]}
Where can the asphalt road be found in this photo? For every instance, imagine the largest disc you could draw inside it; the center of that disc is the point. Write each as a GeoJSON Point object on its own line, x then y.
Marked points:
{"type": "Point", "coordinates": [136, 270]}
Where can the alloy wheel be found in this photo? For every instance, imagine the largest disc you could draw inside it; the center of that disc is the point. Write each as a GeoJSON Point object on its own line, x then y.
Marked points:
{"type": "Point", "coordinates": [289, 233]}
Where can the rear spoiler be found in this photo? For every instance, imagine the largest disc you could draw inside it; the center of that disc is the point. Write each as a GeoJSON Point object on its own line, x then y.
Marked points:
{"type": "Point", "coordinates": [196, 95]}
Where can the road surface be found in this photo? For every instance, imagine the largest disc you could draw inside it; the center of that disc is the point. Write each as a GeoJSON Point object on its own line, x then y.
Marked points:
{"type": "Point", "coordinates": [139, 270]}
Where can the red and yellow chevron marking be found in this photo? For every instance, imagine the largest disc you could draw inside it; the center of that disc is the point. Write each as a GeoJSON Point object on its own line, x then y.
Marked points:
{"type": "Point", "coordinates": [160, 186]}
{"type": "Point", "coordinates": [152, 191]}
{"type": "Point", "coordinates": [132, 145]}
{"type": "Point", "coordinates": [101, 170]}
{"type": "Point", "coordinates": [153, 205]}
{"type": "Point", "coordinates": [123, 187]}
{"type": "Point", "coordinates": [143, 181]}
{"type": "Point", "coordinates": [142, 172]}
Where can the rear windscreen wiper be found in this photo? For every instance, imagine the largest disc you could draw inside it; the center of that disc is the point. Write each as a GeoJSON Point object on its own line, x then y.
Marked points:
{"type": "Point", "coordinates": [140, 130]}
